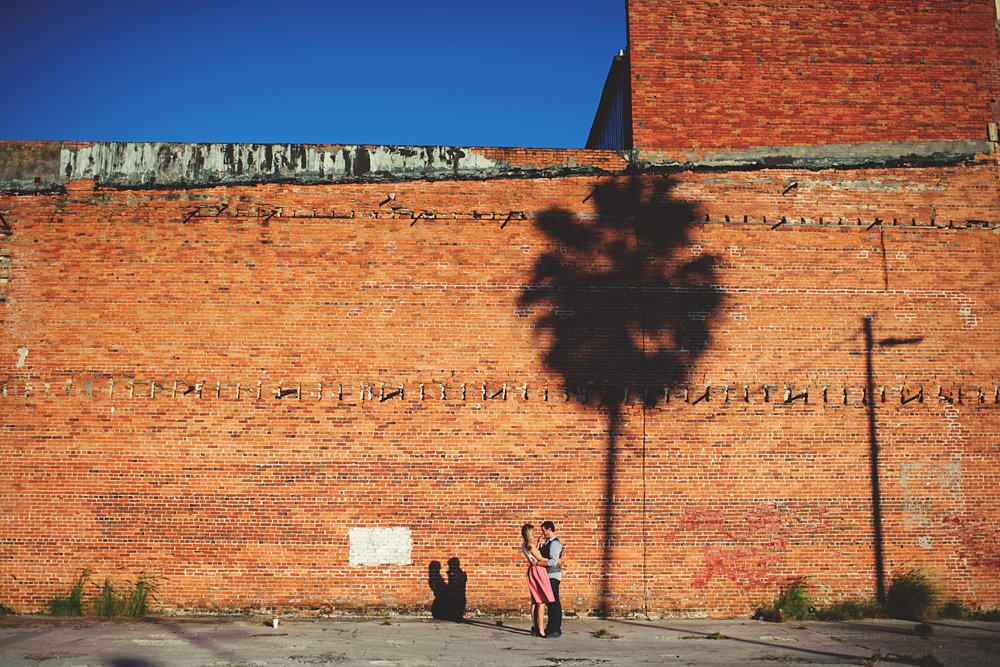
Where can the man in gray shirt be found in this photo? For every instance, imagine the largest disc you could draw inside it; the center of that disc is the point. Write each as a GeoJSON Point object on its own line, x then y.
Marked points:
{"type": "Point", "coordinates": [551, 550]}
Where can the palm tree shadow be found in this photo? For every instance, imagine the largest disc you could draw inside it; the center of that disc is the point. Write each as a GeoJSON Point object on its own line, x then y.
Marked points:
{"type": "Point", "coordinates": [625, 304]}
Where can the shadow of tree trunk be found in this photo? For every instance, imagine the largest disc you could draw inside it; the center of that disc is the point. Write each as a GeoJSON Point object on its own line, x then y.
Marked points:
{"type": "Point", "coordinates": [626, 304]}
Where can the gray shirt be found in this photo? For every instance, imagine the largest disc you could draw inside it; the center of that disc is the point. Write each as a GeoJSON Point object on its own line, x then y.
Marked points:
{"type": "Point", "coordinates": [555, 552]}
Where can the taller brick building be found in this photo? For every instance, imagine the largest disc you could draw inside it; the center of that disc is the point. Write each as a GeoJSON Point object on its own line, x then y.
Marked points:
{"type": "Point", "coordinates": [748, 335]}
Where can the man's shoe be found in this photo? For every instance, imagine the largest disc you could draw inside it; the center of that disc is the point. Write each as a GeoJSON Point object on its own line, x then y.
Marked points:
{"type": "Point", "coordinates": [534, 632]}
{"type": "Point", "coordinates": [553, 635]}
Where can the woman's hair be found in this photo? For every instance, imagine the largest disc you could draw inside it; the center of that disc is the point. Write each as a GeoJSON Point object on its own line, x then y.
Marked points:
{"type": "Point", "coordinates": [526, 530]}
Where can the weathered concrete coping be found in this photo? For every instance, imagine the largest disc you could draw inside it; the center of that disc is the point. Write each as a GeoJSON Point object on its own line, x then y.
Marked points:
{"type": "Point", "coordinates": [827, 156]}
{"type": "Point", "coordinates": [27, 167]}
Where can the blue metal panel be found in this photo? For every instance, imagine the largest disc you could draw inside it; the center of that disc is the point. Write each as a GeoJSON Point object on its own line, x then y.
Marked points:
{"type": "Point", "coordinates": [612, 127]}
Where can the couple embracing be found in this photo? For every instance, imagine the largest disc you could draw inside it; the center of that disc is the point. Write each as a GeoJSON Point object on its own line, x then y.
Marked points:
{"type": "Point", "coordinates": [544, 577]}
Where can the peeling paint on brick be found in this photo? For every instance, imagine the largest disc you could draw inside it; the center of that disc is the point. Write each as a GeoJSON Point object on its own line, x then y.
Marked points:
{"type": "Point", "coordinates": [43, 167]}
{"type": "Point", "coordinates": [380, 546]}
{"type": "Point", "coordinates": [137, 164]}
{"type": "Point", "coordinates": [188, 165]}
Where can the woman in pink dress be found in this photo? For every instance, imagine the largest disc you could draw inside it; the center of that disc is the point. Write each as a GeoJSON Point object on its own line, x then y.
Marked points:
{"type": "Point", "coordinates": [538, 580]}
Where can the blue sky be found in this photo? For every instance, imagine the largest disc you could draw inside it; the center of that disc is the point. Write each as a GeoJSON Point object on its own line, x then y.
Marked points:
{"type": "Point", "coordinates": [470, 73]}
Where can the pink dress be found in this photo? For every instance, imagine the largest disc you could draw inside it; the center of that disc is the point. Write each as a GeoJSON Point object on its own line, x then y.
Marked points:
{"type": "Point", "coordinates": [538, 580]}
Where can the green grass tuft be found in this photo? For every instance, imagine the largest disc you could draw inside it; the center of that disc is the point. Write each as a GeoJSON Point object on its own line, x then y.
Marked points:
{"type": "Point", "coordinates": [911, 596]}
{"type": "Point", "coordinates": [958, 610]}
{"type": "Point", "coordinates": [106, 603]}
{"type": "Point", "coordinates": [873, 660]}
{"type": "Point", "coordinates": [791, 604]}
{"type": "Point", "coordinates": [6, 611]}
{"type": "Point", "coordinates": [72, 604]}
{"type": "Point", "coordinates": [604, 633]}
{"type": "Point", "coordinates": [136, 601]}
{"type": "Point", "coordinates": [133, 600]}
{"type": "Point", "coordinates": [849, 610]}
{"type": "Point", "coordinates": [772, 657]}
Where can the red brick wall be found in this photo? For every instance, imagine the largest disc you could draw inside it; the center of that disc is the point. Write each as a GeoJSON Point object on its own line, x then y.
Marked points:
{"type": "Point", "coordinates": [717, 75]}
{"type": "Point", "coordinates": [240, 502]}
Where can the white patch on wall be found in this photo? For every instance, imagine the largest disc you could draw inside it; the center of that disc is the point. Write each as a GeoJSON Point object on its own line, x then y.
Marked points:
{"type": "Point", "coordinates": [22, 356]}
{"type": "Point", "coordinates": [381, 546]}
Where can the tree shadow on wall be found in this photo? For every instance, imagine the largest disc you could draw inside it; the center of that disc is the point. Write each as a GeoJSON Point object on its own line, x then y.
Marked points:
{"type": "Point", "coordinates": [625, 303]}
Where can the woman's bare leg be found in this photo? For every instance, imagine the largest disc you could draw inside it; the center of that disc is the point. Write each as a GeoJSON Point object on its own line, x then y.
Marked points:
{"type": "Point", "coordinates": [540, 619]}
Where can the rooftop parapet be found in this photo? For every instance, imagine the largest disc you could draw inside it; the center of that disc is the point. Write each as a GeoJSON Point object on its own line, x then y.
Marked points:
{"type": "Point", "coordinates": [38, 166]}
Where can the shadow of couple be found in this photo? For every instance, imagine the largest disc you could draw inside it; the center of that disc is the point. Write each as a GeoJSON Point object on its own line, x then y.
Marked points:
{"type": "Point", "coordinates": [449, 590]}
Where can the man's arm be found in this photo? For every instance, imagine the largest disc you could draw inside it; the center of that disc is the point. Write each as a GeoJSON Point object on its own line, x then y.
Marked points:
{"type": "Point", "coordinates": [555, 551]}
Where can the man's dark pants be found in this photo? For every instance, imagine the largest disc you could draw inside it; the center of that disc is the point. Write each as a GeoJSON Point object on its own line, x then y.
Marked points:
{"type": "Point", "coordinates": [554, 622]}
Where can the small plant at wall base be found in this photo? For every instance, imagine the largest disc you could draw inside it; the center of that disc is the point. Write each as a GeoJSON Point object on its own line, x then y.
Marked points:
{"type": "Point", "coordinates": [849, 610]}
{"type": "Point", "coordinates": [792, 603]}
{"type": "Point", "coordinates": [105, 603]}
{"type": "Point", "coordinates": [72, 604]}
{"type": "Point", "coordinates": [138, 598]}
{"type": "Point", "coordinates": [131, 600]}
{"type": "Point", "coordinates": [957, 610]}
{"type": "Point", "coordinates": [911, 596]}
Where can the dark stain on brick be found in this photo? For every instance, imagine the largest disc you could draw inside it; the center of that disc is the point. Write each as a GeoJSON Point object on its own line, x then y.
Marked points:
{"type": "Point", "coordinates": [165, 156]}
{"type": "Point", "coordinates": [25, 164]}
{"type": "Point", "coordinates": [362, 162]}
{"type": "Point", "coordinates": [269, 158]}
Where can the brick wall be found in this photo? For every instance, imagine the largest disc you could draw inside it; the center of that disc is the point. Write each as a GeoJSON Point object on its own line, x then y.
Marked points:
{"type": "Point", "coordinates": [716, 75]}
{"type": "Point", "coordinates": [204, 382]}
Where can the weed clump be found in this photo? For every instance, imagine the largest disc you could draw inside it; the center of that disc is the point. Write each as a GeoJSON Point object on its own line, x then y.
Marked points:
{"type": "Point", "coordinates": [849, 610]}
{"type": "Point", "coordinates": [72, 604]}
{"type": "Point", "coordinates": [137, 598]}
{"type": "Point", "coordinates": [604, 633]}
{"type": "Point", "coordinates": [959, 611]}
{"type": "Point", "coordinates": [106, 603]}
{"type": "Point", "coordinates": [911, 596]}
{"type": "Point", "coordinates": [792, 603]}
{"type": "Point", "coordinates": [772, 657]}
{"type": "Point", "coordinates": [131, 600]}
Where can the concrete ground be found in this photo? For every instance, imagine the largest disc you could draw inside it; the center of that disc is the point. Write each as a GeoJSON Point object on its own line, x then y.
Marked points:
{"type": "Point", "coordinates": [222, 641]}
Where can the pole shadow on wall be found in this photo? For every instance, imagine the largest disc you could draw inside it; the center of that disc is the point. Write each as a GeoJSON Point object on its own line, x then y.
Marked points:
{"type": "Point", "coordinates": [624, 304]}
{"type": "Point", "coordinates": [878, 537]}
